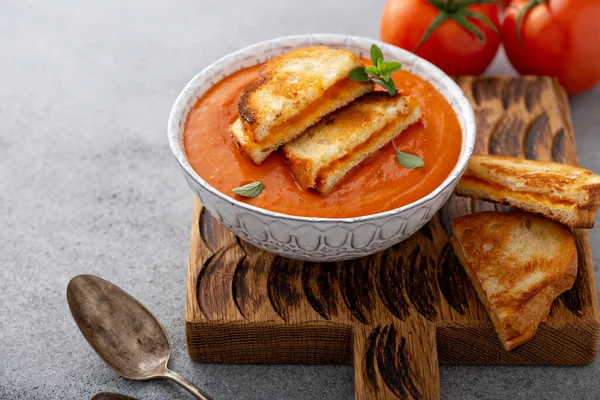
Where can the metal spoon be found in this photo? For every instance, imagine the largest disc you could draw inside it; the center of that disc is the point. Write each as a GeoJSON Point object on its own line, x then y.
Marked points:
{"type": "Point", "coordinates": [122, 331]}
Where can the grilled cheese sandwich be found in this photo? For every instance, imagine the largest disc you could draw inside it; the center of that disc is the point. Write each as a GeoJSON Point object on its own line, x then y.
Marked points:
{"type": "Point", "coordinates": [518, 263]}
{"type": "Point", "coordinates": [293, 92]}
{"type": "Point", "coordinates": [327, 151]}
{"type": "Point", "coordinates": [567, 194]}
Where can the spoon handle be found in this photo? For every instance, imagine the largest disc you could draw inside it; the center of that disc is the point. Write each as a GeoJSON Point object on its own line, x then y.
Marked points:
{"type": "Point", "coordinates": [180, 380]}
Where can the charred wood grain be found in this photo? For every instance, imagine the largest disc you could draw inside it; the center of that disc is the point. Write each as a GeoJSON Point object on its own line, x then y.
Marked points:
{"type": "Point", "coordinates": [281, 286]}
{"type": "Point", "coordinates": [369, 359]}
{"type": "Point", "coordinates": [355, 286]}
{"type": "Point", "coordinates": [420, 282]}
{"type": "Point", "coordinates": [505, 138]}
{"type": "Point", "coordinates": [389, 284]}
{"type": "Point", "coordinates": [534, 134]}
{"type": "Point", "coordinates": [453, 280]}
{"type": "Point", "coordinates": [558, 146]}
{"type": "Point", "coordinates": [513, 91]}
{"type": "Point", "coordinates": [318, 282]}
{"type": "Point", "coordinates": [387, 361]}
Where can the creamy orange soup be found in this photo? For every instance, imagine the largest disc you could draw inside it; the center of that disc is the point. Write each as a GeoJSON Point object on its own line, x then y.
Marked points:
{"type": "Point", "coordinates": [377, 185]}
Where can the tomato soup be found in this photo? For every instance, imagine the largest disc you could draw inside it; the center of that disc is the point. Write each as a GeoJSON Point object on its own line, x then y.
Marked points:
{"type": "Point", "coordinates": [379, 184]}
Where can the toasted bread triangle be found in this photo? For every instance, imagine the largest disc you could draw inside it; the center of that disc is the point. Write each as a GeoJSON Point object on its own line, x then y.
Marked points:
{"type": "Point", "coordinates": [564, 193]}
{"type": "Point", "coordinates": [334, 98]}
{"type": "Point", "coordinates": [519, 263]}
{"type": "Point", "coordinates": [290, 83]}
{"type": "Point", "coordinates": [327, 151]}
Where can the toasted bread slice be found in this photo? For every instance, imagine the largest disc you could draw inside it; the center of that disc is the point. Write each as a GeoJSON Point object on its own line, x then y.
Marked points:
{"type": "Point", "coordinates": [332, 99]}
{"type": "Point", "coordinates": [254, 151]}
{"type": "Point", "coordinates": [327, 151]}
{"type": "Point", "coordinates": [293, 92]}
{"type": "Point", "coordinates": [570, 195]}
{"type": "Point", "coordinates": [519, 263]}
{"type": "Point", "coordinates": [288, 84]}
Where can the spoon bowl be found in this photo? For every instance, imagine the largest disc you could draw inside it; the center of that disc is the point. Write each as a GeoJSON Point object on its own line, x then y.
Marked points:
{"type": "Point", "coordinates": [122, 331]}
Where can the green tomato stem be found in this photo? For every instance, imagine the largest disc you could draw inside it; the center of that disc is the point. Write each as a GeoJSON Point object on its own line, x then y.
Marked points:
{"type": "Point", "coordinates": [451, 6]}
{"type": "Point", "coordinates": [458, 12]}
{"type": "Point", "coordinates": [532, 4]}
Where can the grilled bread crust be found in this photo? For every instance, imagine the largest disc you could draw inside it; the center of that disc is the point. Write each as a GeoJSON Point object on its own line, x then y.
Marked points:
{"type": "Point", "coordinates": [519, 263]}
{"type": "Point", "coordinates": [567, 194]}
{"type": "Point", "coordinates": [327, 151]}
{"type": "Point", "coordinates": [332, 99]}
{"type": "Point", "coordinates": [289, 83]}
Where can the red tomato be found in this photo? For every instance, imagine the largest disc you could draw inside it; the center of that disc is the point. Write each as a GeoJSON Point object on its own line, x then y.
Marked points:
{"type": "Point", "coordinates": [452, 47]}
{"type": "Point", "coordinates": [559, 38]}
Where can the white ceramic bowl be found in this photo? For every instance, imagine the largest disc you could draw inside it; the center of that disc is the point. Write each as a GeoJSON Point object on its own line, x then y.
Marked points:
{"type": "Point", "coordinates": [307, 238]}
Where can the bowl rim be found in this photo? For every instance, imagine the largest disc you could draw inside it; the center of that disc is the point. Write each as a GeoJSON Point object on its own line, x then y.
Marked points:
{"type": "Point", "coordinates": [183, 99]}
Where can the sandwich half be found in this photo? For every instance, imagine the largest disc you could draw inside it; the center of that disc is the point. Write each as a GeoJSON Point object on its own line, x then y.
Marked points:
{"type": "Point", "coordinates": [519, 263]}
{"type": "Point", "coordinates": [294, 91]}
{"type": "Point", "coordinates": [564, 193]}
{"type": "Point", "coordinates": [327, 151]}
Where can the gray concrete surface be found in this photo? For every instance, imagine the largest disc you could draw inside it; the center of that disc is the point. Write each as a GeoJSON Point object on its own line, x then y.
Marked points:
{"type": "Point", "coordinates": [88, 185]}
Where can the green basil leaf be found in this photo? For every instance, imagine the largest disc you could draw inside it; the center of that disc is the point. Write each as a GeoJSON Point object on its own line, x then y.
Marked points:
{"type": "Point", "coordinates": [250, 190]}
{"type": "Point", "coordinates": [358, 74]}
{"type": "Point", "coordinates": [390, 86]}
{"type": "Point", "coordinates": [380, 65]}
{"type": "Point", "coordinates": [372, 70]}
{"type": "Point", "coordinates": [385, 77]}
{"type": "Point", "coordinates": [376, 54]}
{"type": "Point", "coordinates": [392, 66]}
{"type": "Point", "coordinates": [408, 160]}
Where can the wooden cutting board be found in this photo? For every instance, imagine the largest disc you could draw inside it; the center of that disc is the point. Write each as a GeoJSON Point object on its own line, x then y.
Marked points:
{"type": "Point", "coordinates": [395, 315]}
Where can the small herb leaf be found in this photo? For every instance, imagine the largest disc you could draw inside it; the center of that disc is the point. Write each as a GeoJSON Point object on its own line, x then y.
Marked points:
{"type": "Point", "coordinates": [250, 190]}
{"type": "Point", "coordinates": [372, 70]}
{"type": "Point", "coordinates": [408, 160]}
{"type": "Point", "coordinates": [390, 86]}
{"type": "Point", "coordinates": [376, 54]}
{"type": "Point", "coordinates": [392, 66]}
{"type": "Point", "coordinates": [358, 74]}
{"type": "Point", "coordinates": [379, 72]}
